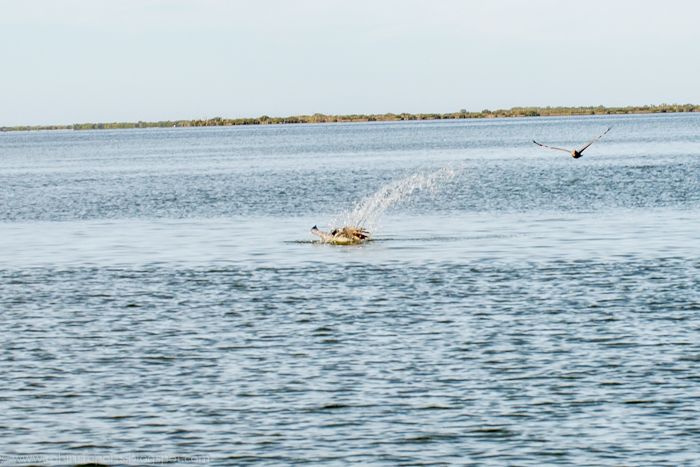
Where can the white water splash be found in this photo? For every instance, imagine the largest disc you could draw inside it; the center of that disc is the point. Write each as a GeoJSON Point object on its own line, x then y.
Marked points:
{"type": "Point", "coordinates": [367, 212]}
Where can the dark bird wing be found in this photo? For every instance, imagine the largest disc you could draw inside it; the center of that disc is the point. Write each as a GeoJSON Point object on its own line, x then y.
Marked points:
{"type": "Point", "coordinates": [551, 147]}
{"type": "Point", "coordinates": [594, 140]}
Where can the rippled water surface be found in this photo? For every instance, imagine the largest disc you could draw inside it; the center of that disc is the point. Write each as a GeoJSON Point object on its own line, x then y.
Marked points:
{"type": "Point", "coordinates": [161, 295]}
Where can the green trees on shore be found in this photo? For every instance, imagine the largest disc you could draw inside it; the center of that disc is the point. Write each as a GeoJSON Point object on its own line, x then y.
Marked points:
{"type": "Point", "coordinates": [322, 118]}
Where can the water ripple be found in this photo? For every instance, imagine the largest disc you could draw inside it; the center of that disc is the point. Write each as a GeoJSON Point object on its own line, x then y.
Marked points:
{"type": "Point", "coordinates": [509, 362]}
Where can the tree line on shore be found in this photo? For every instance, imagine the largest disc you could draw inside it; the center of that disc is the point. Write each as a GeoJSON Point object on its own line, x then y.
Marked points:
{"type": "Point", "coordinates": [387, 117]}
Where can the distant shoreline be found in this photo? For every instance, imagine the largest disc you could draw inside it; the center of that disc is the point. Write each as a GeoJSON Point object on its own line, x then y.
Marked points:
{"type": "Point", "coordinates": [387, 117]}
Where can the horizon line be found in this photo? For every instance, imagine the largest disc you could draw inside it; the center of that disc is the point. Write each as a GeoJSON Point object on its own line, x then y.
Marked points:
{"type": "Point", "coordinates": [513, 112]}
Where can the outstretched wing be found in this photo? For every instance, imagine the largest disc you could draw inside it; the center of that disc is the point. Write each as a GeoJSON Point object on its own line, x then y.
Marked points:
{"type": "Point", "coordinates": [551, 147]}
{"type": "Point", "coordinates": [594, 140]}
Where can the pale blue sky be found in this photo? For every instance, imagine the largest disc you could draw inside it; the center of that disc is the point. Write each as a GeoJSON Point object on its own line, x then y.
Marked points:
{"type": "Point", "coordinates": [91, 60]}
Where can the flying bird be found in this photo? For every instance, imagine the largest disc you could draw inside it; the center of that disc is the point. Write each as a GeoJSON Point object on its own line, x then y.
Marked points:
{"type": "Point", "coordinates": [575, 153]}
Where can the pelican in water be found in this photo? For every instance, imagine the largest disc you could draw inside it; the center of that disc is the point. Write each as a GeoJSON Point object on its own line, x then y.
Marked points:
{"type": "Point", "coordinates": [575, 153]}
{"type": "Point", "coordinates": [343, 236]}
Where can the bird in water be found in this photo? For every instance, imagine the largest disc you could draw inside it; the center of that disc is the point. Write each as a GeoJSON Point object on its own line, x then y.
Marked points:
{"type": "Point", "coordinates": [575, 153]}
{"type": "Point", "coordinates": [342, 236]}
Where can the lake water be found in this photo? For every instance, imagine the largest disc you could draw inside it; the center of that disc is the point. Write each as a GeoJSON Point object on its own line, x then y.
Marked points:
{"type": "Point", "coordinates": [161, 294]}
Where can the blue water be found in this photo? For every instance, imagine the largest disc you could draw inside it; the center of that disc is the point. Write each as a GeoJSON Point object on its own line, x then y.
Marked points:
{"type": "Point", "coordinates": [161, 295]}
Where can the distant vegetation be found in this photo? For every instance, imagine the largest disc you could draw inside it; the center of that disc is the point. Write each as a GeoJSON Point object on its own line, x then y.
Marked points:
{"type": "Point", "coordinates": [388, 117]}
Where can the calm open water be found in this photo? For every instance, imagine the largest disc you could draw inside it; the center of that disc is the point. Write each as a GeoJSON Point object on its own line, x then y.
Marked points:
{"type": "Point", "coordinates": [160, 295]}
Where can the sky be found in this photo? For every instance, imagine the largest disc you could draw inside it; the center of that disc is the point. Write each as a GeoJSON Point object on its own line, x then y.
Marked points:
{"type": "Point", "coordinates": [74, 61]}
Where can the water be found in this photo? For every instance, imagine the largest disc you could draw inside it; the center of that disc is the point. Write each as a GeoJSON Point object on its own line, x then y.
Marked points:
{"type": "Point", "coordinates": [368, 212]}
{"type": "Point", "coordinates": [161, 294]}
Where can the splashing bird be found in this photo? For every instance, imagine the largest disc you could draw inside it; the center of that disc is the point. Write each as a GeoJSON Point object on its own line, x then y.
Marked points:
{"type": "Point", "coordinates": [342, 236]}
{"type": "Point", "coordinates": [575, 153]}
